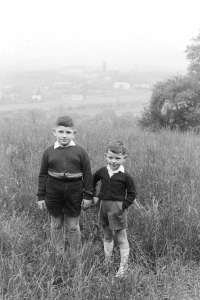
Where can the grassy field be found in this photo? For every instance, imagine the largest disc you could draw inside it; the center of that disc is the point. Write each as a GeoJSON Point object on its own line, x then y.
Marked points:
{"type": "Point", "coordinates": [163, 226]}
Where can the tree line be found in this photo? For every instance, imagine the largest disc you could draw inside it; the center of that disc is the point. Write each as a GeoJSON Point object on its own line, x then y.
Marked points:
{"type": "Point", "coordinates": [175, 102]}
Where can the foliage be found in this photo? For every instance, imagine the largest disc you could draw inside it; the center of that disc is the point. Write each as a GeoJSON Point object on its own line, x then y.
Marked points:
{"type": "Point", "coordinates": [193, 55]}
{"type": "Point", "coordinates": [175, 102]}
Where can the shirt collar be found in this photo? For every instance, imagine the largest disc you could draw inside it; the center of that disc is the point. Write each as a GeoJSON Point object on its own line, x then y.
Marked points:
{"type": "Point", "coordinates": [57, 144]}
{"type": "Point", "coordinates": [120, 169]}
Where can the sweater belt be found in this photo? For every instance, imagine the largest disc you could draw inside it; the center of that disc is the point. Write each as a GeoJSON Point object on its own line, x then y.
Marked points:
{"type": "Point", "coordinates": [65, 176]}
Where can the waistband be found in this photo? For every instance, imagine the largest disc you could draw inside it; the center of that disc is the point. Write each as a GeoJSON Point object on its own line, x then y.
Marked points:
{"type": "Point", "coordinates": [64, 179]}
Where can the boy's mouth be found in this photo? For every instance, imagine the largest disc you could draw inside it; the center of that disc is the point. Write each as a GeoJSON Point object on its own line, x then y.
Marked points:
{"type": "Point", "coordinates": [113, 166]}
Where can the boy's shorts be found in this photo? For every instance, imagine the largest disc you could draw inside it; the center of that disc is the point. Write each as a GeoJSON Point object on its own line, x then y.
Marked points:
{"type": "Point", "coordinates": [64, 196]}
{"type": "Point", "coordinates": [111, 214]}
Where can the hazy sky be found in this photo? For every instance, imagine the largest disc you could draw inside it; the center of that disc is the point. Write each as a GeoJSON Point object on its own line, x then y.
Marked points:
{"type": "Point", "coordinates": [40, 33]}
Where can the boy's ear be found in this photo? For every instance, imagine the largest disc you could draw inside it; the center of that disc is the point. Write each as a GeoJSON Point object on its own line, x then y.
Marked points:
{"type": "Point", "coordinates": [54, 130]}
{"type": "Point", "coordinates": [105, 154]}
{"type": "Point", "coordinates": [74, 132]}
{"type": "Point", "coordinates": [125, 157]}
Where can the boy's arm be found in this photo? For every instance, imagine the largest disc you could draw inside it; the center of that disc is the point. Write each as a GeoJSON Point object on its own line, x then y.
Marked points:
{"type": "Point", "coordinates": [96, 179]}
{"type": "Point", "coordinates": [131, 193]}
{"type": "Point", "coordinates": [87, 177]}
{"type": "Point", "coordinates": [42, 178]}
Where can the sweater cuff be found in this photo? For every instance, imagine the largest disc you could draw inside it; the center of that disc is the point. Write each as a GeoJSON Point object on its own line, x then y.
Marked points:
{"type": "Point", "coordinates": [41, 197]}
{"type": "Point", "coordinates": [87, 195]}
{"type": "Point", "coordinates": [125, 204]}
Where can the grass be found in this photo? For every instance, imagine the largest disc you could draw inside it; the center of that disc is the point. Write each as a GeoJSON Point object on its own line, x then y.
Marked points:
{"type": "Point", "coordinates": [163, 223]}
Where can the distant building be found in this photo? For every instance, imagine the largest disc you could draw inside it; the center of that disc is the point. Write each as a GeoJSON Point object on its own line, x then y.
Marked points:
{"type": "Point", "coordinates": [104, 67]}
{"type": "Point", "coordinates": [121, 85]}
{"type": "Point", "coordinates": [61, 85]}
{"type": "Point", "coordinates": [37, 95]}
{"type": "Point", "coordinates": [76, 97]}
{"type": "Point", "coordinates": [1, 93]}
{"type": "Point", "coordinates": [145, 86]}
{"type": "Point", "coordinates": [37, 98]}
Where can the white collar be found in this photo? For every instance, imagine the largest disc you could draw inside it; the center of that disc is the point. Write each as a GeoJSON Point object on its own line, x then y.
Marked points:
{"type": "Point", "coordinates": [120, 169]}
{"type": "Point", "coordinates": [57, 144]}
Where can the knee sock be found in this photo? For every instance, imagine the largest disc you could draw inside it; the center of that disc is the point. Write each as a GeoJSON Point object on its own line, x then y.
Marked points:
{"type": "Point", "coordinates": [108, 248]}
{"type": "Point", "coordinates": [57, 238]}
{"type": "Point", "coordinates": [74, 241]}
{"type": "Point", "coordinates": [124, 257]}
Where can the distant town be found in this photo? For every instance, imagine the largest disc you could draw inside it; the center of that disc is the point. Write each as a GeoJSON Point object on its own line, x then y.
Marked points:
{"type": "Point", "coordinates": [73, 83]}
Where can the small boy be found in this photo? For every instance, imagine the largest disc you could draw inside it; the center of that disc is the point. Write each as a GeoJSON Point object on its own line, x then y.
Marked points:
{"type": "Point", "coordinates": [65, 182]}
{"type": "Point", "coordinates": [117, 193]}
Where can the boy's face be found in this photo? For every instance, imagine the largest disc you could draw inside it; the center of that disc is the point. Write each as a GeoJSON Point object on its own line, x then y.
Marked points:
{"type": "Point", "coordinates": [64, 135]}
{"type": "Point", "coordinates": [115, 160]}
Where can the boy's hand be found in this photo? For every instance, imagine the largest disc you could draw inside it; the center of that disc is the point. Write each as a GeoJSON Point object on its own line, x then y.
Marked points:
{"type": "Point", "coordinates": [86, 204]}
{"type": "Point", "coordinates": [42, 204]}
{"type": "Point", "coordinates": [95, 200]}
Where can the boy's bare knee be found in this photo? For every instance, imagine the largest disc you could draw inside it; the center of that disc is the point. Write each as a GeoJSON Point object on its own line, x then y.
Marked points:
{"type": "Point", "coordinates": [121, 241]}
{"type": "Point", "coordinates": [108, 234]}
{"type": "Point", "coordinates": [56, 226]}
{"type": "Point", "coordinates": [74, 229]}
{"type": "Point", "coordinates": [108, 239]}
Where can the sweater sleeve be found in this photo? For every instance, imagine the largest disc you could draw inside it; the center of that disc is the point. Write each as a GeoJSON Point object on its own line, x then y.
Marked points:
{"type": "Point", "coordinates": [131, 192]}
{"type": "Point", "coordinates": [87, 176]}
{"type": "Point", "coordinates": [96, 179]}
{"type": "Point", "coordinates": [42, 178]}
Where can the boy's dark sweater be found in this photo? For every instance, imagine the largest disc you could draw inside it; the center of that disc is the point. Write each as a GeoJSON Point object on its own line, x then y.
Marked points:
{"type": "Point", "coordinates": [72, 161]}
{"type": "Point", "coordinates": [118, 187]}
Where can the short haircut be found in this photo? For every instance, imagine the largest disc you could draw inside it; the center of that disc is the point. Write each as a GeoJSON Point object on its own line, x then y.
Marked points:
{"type": "Point", "coordinates": [116, 147]}
{"type": "Point", "coordinates": [65, 121]}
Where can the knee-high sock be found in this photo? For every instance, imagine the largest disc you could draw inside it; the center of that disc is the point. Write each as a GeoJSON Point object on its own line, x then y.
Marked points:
{"type": "Point", "coordinates": [124, 257]}
{"type": "Point", "coordinates": [108, 248]}
{"type": "Point", "coordinates": [57, 238]}
{"type": "Point", "coordinates": [74, 241]}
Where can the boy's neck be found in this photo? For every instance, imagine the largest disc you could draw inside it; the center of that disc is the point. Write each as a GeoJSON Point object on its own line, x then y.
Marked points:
{"type": "Point", "coordinates": [121, 168]}
{"type": "Point", "coordinates": [57, 144]}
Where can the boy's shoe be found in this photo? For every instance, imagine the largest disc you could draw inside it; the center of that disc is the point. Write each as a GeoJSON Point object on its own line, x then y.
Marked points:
{"type": "Point", "coordinates": [122, 271]}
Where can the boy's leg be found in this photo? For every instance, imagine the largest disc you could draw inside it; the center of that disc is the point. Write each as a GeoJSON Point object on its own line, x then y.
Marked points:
{"type": "Point", "coordinates": [124, 251]}
{"type": "Point", "coordinates": [74, 234]}
{"type": "Point", "coordinates": [57, 233]}
{"type": "Point", "coordinates": [108, 242]}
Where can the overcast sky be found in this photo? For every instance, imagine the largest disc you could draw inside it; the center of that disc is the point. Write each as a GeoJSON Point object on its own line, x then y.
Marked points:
{"type": "Point", "coordinates": [42, 34]}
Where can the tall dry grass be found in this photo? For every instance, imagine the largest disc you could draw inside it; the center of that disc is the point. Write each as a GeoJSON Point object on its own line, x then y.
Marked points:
{"type": "Point", "coordinates": [163, 223]}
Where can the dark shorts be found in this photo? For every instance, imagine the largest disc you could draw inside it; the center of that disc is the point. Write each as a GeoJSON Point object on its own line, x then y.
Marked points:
{"type": "Point", "coordinates": [112, 215]}
{"type": "Point", "coordinates": [64, 196]}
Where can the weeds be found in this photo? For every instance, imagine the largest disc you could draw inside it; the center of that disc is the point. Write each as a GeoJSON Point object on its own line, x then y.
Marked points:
{"type": "Point", "coordinates": [163, 223]}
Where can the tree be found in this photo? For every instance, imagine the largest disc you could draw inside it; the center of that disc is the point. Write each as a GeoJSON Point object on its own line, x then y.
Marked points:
{"type": "Point", "coordinates": [193, 55]}
{"type": "Point", "coordinates": [175, 103]}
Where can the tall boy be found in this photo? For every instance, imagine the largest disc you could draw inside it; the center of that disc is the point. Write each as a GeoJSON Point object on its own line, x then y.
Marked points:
{"type": "Point", "coordinates": [116, 194]}
{"type": "Point", "coordinates": [65, 182]}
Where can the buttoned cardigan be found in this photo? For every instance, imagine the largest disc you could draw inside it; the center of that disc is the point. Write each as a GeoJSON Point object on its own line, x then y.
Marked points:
{"type": "Point", "coordinates": [65, 162]}
{"type": "Point", "coordinates": [119, 187]}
